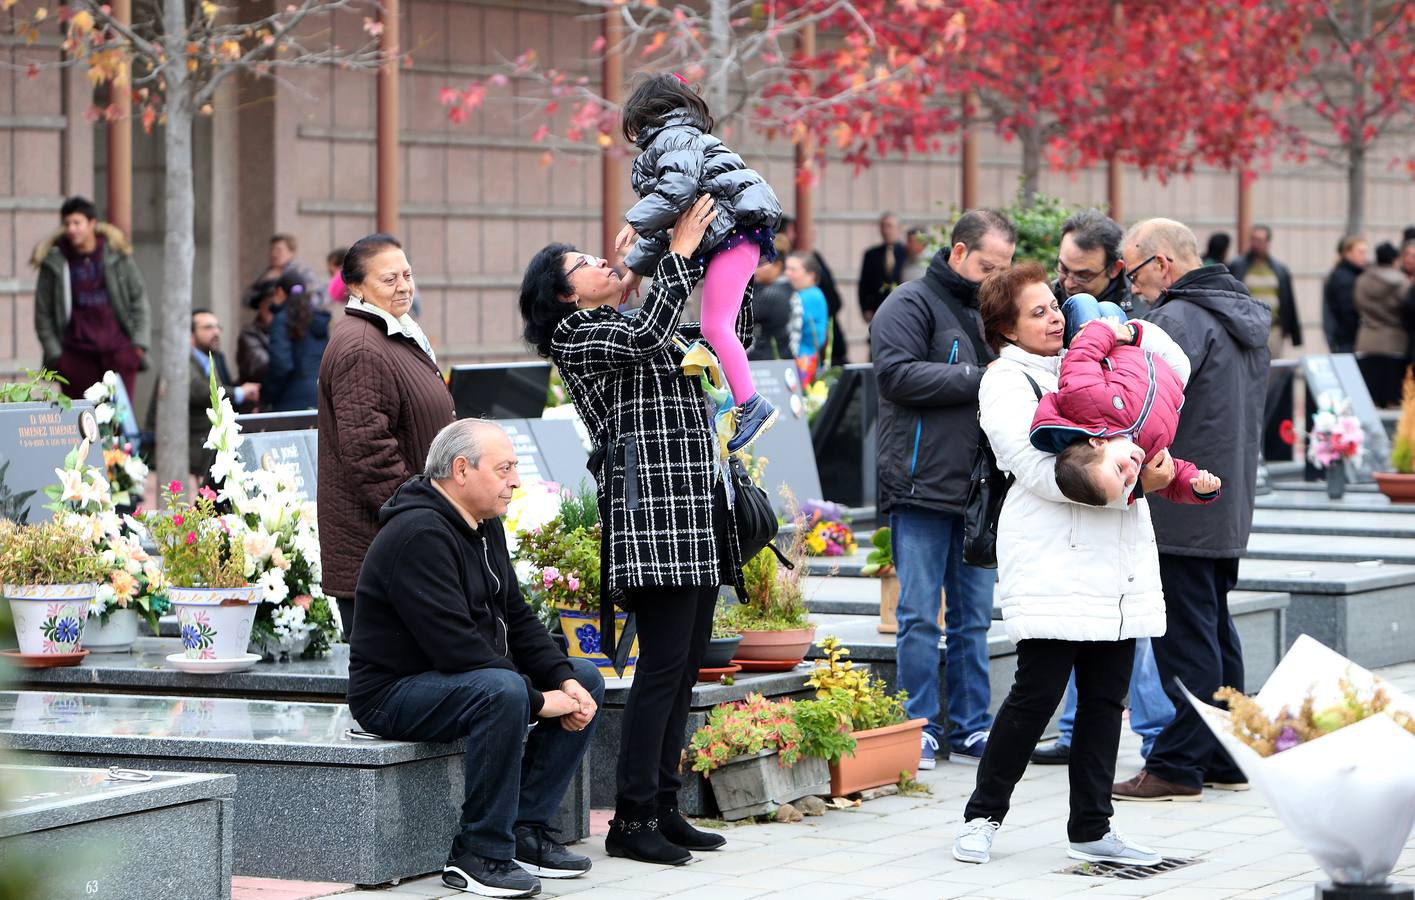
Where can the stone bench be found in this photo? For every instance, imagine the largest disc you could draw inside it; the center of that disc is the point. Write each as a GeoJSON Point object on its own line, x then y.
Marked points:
{"type": "Point", "coordinates": [77, 832]}
{"type": "Point", "coordinates": [312, 802]}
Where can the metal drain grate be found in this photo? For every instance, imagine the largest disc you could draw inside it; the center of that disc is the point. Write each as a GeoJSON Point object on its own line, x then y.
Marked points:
{"type": "Point", "coordinates": [1126, 872]}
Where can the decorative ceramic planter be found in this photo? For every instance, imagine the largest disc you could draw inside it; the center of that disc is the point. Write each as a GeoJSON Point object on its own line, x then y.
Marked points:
{"type": "Point", "coordinates": [784, 646]}
{"type": "Point", "coordinates": [117, 636]}
{"type": "Point", "coordinates": [49, 618]}
{"type": "Point", "coordinates": [881, 756]}
{"type": "Point", "coordinates": [758, 784]}
{"type": "Point", "coordinates": [889, 605]}
{"type": "Point", "coordinates": [215, 623]}
{"type": "Point", "coordinates": [720, 652]}
{"type": "Point", "coordinates": [1399, 488]}
{"type": "Point", "coordinates": [581, 630]}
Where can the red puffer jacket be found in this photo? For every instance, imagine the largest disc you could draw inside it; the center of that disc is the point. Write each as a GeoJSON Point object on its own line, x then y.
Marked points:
{"type": "Point", "coordinates": [1110, 389]}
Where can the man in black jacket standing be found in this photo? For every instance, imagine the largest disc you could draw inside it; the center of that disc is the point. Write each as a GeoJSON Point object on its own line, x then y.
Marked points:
{"type": "Point", "coordinates": [929, 352]}
{"type": "Point", "coordinates": [882, 267]}
{"type": "Point", "coordinates": [1270, 282]}
{"type": "Point", "coordinates": [447, 649]}
{"type": "Point", "coordinates": [1340, 320]}
{"type": "Point", "coordinates": [1224, 332]}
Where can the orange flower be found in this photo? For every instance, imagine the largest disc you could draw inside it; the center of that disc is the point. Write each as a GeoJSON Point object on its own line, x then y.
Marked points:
{"type": "Point", "coordinates": [124, 584]}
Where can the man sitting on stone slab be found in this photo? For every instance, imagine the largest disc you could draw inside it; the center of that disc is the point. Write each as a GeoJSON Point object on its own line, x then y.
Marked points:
{"type": "Point", "coordinates": [447, 648]}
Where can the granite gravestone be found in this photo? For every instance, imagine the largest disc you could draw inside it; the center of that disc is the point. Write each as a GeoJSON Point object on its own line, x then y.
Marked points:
{"type": "Point", "coordinates": [790, 459]}
{"type": "Point", "coordinates": [1338, 376]}
{"type": "Point", "coordinates": [500, 390]}
{"type": "Point", "coordinates": [34, 439]}
{"type": "Point", "coordinates": [548, 450]}
{"type": "Point", "coordinates": [295, 453]}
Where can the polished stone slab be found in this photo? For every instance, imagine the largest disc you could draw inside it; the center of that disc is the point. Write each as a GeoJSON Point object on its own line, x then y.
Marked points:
{"type": "Point", "coordinates": [1331, 548]}
{"type": "Point", "coordinates": [1354, 502]}
{"type": "Point", "coordinates": [1346, 523]}
{"type": "Point", "coordinates": [77, 832]}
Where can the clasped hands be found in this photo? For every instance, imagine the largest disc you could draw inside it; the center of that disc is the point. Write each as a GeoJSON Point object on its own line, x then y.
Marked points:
{"type": "Point", "coordinates": [571, 704]}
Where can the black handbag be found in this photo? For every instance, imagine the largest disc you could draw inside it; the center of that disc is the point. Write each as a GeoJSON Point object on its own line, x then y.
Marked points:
{"type": "Point", "coordinates": [987, 489]}
{"type": "Point", "coordinates": [754, 517]}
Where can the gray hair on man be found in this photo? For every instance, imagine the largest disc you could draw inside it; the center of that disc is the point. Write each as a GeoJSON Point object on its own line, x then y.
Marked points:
{"type": "Point", "coordinates": [462, 438]}
{"type": "Point", "coordinates": [1165, 237]}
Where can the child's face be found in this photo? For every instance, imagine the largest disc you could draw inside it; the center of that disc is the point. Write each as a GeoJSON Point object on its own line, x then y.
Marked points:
{"type": "Point", "coordinates": [798, 275]}
{"type": "Point", "coordinates": [1118, 468]}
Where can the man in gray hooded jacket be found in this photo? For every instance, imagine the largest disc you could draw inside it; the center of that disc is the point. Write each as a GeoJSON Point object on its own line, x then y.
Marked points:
{"type": "Point", "coordinates": [1224, 332]}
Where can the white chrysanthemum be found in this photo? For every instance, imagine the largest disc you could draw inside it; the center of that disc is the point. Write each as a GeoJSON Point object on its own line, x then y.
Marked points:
{"type": "Point", "coordinates": [103, 412]}
{"type": "Point", "coordinates": [104, 598]}
{"type": "Point", "coordinates": [135, 469]}
{"type": "Point", "coordinates": [96, 393]}
{"type": "Point", "coordinates": [272, 586]}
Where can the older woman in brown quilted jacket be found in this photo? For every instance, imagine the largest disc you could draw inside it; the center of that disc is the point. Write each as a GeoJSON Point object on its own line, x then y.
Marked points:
{"type": "Point", "coordinates": [381, 402]}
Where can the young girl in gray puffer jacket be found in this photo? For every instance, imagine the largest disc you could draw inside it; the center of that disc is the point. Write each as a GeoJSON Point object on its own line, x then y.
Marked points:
{"type": "Point", "coordinates": [679, 161]}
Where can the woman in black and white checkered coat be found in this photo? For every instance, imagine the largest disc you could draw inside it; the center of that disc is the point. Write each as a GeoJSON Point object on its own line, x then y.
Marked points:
{"type": "Point", "coordinates": [669, 540]}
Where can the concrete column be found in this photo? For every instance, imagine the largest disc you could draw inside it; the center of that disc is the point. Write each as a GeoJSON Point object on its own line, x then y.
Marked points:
{"type": "Point", "coordinates": [387, 128]}
{"type": "Point", "coordinates": [120, 140]}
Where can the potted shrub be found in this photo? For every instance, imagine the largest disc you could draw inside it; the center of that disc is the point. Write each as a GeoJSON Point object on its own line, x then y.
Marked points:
{"type": "Point", "coordinates": [1399, 485]}
{"type": "Point", "coordinates": [775, 627]}
{"type": "Point", "coordinates": [880, 564]}
{"type": "Point", "coordinates": [753, 755]}
{"type": "Point", "coordinates": [886, 740]}
{"type": "Point", "coordinates": [50, 575]}
{"type": "Point", "coordinates": [723, 645]}
{"type": "Point", "coordinates": [204, 558]}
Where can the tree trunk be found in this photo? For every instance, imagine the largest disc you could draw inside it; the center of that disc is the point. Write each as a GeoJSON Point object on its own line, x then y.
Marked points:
{"type": "Point", "coordinates": [1031, 164]}
{"type": "Point", "coordinates": [1355, 189]}
{"type": "Point", "coordinates": [720, 42]}
{"type": "Point", "coordinates": [178, 254]}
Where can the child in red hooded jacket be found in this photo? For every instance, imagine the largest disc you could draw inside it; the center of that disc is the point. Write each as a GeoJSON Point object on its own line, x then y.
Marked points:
{"type": "Point", "coordinates": [1115, 410]}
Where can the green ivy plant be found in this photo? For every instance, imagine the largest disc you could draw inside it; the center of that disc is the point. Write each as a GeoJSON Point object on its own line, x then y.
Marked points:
{"type": "Point", "coordinates": [41, 386]}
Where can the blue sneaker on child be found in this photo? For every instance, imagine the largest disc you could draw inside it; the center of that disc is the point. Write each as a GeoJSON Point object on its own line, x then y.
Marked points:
{"type": "Point", "coordinates": [755, 416]}
{"type": "Point", "coordinates": [1082, 308]}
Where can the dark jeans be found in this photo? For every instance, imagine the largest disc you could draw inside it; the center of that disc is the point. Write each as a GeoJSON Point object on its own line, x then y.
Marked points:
{"type": "Point", "coordinates": [675, 624]}
{"type": "Point", "coordinates": [491, 709]}
{"type": "Point", "coordinates": [1200, 648]}
{"type": "Point", "coordinates": [346, 616]}
{"type": "Point", "coordinates": [1102, 675]}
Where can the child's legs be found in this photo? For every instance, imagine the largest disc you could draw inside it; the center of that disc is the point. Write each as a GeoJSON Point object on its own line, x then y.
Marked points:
{"type": "Point", "coordinates": [728, 274]}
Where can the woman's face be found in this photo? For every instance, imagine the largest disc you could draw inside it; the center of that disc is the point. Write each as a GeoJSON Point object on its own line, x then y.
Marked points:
{"type": "Point", "coordinates": [388, 283]}
{"type": "Point", "coordinates": [1040, 325]}
{"type": "Point", "coordinates": [798, 275]}
{"type": "Point", "coordinates": [593, 282]}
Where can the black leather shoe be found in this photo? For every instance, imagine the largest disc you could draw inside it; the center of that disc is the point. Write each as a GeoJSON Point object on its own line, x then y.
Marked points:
{"type": "Point", "coordinates": [673, 826]}
{"type": "Point", "coordinates": [540, 854]}
{"type": "Point", "coordinates": [1052, 754]}
{"type": "Point", "coordinates": [642, 841]}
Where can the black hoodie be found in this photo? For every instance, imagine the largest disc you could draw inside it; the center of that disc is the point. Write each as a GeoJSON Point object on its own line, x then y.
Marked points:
{"type": "Point", "coordinates": [1224, 332]}
{"type": "Point", "coordinates": [435, 594]}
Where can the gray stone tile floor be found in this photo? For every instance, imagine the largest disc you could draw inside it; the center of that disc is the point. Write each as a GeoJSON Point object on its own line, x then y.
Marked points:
{"type": "Point", "coordinates": [899, 847]}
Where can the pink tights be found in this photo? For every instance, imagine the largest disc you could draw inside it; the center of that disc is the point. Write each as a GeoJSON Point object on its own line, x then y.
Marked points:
{"type": "Point", "coordinates": [728, 274]}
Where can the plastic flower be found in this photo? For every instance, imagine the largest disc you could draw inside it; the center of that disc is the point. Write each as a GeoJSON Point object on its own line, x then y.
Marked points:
{"type": "Point", "coordinates": [72, 483]}
{"type": "Point", "coordinates": [103, 412]}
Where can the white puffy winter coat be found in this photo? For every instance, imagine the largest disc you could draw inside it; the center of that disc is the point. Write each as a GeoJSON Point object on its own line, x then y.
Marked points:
{"type": "Point", "coordinates": [1066, 571]}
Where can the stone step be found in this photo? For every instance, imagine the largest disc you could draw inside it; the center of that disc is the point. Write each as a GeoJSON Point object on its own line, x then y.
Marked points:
{"type": "Point", "coordinates": [1347, 522]}
{"type": "Point", "coordinates": [1331, 548]}
{"type": "Point", "coordinates": [1365, 502]}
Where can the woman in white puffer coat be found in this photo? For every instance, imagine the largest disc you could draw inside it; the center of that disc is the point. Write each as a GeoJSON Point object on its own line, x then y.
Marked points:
{"type": "Point", "coordinates": [1077, 583]}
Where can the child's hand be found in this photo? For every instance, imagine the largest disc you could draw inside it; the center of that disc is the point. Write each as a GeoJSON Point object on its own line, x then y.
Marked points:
{"type": "Point", "coordinates": [627, 236]}
{"type": "Point", "coordinates": [1206, 482]}
{"type": "Point", "coordinates": [630, 286]}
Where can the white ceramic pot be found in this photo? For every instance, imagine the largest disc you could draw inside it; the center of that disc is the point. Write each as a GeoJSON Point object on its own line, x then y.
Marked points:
{"type": "Point", "coordinates": [115, 637]}
{"type": "Point", "coordinates": [215, 623]}
{"type": "Point", "coordinates": [49, 618]}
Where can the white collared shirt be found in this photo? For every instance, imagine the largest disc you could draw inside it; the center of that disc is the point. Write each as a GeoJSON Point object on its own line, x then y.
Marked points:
{"type": "Point", "coordinates": [404, 324]}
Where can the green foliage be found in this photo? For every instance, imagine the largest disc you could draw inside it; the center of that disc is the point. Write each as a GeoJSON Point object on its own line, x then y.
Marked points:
{"type": "Point", "coordinates": [12, 503]}
{"type": "Point", "coordinates": [825, 727]}
{"type": "Point", "coordinates": [580, 510]}
{"type": "Point", "coordinates": [776, 596]}
{"type": "Point", "coordinates": [41, 387]}
{"type": "Point", "coordinates": [864, 699]}
{"type": "Point", "coordinates": [880, 561]}
{"type": "Point", "coordinates": [566, 563]}
{"type": "Point", "coordinates": [721, 626]}
{"type": "Point", "coordinates": [1038, 228]}
{"type": "Point", "coordinates": [908, 787]}
{"type": "Point", "coordinates": [49, 553]}
{"type": "Point", "coordinates": [197, 547]}
{"type": "Point", "coordinates": [1402, 456]}
{"type": "Point", "coordinates": [749, 727]}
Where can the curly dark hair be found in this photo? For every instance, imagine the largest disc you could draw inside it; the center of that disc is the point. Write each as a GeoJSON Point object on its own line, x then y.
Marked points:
{"type": "Point", "coordinates": [657, 97]}
{"type": "Point", "coordinates": [543, 289]}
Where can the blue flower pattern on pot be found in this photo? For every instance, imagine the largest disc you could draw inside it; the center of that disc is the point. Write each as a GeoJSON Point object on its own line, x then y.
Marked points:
{"type": "Point", "coordinates": [66, 631]}
{"type": "Point", "coordinates": [191, 638]}
{"type": "Point", "coordinates": [588, 636]}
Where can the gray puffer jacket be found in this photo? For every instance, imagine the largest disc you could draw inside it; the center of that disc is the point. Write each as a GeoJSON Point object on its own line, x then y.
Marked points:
{"type": "Point", "coordinates": [678, 163]}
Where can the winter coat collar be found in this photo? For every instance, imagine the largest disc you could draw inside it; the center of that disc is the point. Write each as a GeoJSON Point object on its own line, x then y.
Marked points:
{"type": "Point", "coordinates": [1048, 364]}
{"type": "Point", "coordinates": [397, 325]}
{"type": "Point", "coordinates": [679, 118]}
{"type": "Point", "coordinates": [1214, 289]}
{"type": "Point", "coordinates": [111, 238]}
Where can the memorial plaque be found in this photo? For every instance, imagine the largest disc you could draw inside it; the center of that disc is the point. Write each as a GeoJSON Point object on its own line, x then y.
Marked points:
{"type": "Point", "coordinates": [497, 390]}
{"type": "Point", "coordinates": [296, 453]}
{"type": "Point", "coordinates": [1337, 374]}
{"type": "Point", "coordinates": [791, 460]}
{"type": "Point", "coordinates": [845, 438]}
{"type": "Point", "coordinates": [34, 439]}
{"type": "Point", "coordinates": [530, 462]}
{"type": "Point", "coordinates": [563, 453]}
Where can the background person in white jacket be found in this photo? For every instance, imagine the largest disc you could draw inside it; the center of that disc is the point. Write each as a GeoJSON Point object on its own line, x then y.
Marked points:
{"type": "Point", "coordinates": [1078, 584]}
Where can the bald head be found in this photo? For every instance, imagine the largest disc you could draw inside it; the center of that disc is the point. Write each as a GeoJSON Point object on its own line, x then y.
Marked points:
{"type": "Point", "coordinates": [1157, 253]}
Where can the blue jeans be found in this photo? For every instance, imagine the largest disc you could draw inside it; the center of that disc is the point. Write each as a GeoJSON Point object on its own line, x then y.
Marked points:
{"type": "Point", "coordinates": [491, 709]}
{"type": "Point", "coordinates": [928, 555]}
{"type": "Point", "coordinates": [1150, 709]}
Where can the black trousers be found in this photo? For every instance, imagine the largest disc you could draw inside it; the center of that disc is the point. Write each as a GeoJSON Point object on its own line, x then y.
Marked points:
{"type": "Point", "coordinates": [675, 624]}
{"type": "Point", "coordinates": [1200, 648]}
{"type": "Point", "coordinates": [1043, 667]}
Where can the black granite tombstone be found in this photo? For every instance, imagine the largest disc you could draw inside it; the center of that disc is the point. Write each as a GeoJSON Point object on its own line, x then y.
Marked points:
{"type": "Point", "coordinates": [34, 439]}
{"type": "Point", "coordinates": [294, 452]}
{"type": "Point", "coordinates": [500, 390]}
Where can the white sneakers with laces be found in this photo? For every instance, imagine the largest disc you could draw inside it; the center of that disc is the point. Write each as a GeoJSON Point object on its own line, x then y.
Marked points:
{"type": "Point", "coordinates": [975, 840]}
{"type": "Point", "coordinates": [1115, 848]}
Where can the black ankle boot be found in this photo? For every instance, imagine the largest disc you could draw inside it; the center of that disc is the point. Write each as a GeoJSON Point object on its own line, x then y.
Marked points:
{"type": "Point", "coordinates": [641, 840]}
{"type": "Point", "coordinates": [673, 826]}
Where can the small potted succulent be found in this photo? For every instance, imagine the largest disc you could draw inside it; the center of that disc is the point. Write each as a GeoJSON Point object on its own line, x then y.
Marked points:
{"type": "Point", "coordinates": [756, 758]}
{"type": "Point", "coordinates": [50, 575]}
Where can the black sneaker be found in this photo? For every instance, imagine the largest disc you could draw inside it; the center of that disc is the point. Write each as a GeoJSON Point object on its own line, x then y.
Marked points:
{"type": "Point", "coordinates": [540, 854]}
{"type": "Point", "coordinates": [489, 877]}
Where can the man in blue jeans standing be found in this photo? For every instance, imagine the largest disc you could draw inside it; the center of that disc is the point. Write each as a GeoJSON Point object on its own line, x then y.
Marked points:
{"type": "Point", "coordinates": [1150, 709]}
{"type": "Point", "coordinates": [927, 344]}
{"type": "Point", "coordinates": [448, 649]}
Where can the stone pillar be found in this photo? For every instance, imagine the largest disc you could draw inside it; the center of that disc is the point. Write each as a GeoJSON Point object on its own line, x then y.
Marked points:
{"type": "Point", "coordinates": [120, 139]}
{"type": "Point", "coordinates": [387, 128]}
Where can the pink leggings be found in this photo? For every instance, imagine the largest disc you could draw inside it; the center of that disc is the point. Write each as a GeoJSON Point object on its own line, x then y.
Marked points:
{"type": "Point", "coordinates": [724, 286]}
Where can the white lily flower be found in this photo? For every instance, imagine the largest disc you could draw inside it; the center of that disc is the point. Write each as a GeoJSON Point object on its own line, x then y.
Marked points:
{"type": "Point", "coordinates": [96, 393]}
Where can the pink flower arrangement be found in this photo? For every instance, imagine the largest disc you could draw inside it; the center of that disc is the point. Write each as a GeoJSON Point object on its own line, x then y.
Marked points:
{"type": "Point", "coordinates": [1336, 435]}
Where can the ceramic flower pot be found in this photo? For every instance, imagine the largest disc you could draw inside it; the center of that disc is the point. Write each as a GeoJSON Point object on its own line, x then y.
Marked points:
{"type": "Point", "coordinates": [889, 605]}
{"type": "Point", "coordinates": [720, 651]}
{"type": "Point", "coordinates": [581, 630]}
{"type": "Point", "coordinates": [215, 623]}
{"type": "Point", "coordinates": [881, 756]}
{"type": "Point", "coordinates": [774, 646]}
{"type": "Point", "coordinates": [116, 636]}
{"type": "Point", "coordinates": [1399, 488]}
{"type": "Point", "coordinates": [49, 618]}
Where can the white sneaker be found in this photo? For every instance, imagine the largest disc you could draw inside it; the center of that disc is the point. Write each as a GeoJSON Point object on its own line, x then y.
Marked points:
{"type": "Point", "coordinates": [975, 840]}
{"type": "Point", "coordinates": [928, 750]}
{"type": "Point", "coordinates": [1114, 848]}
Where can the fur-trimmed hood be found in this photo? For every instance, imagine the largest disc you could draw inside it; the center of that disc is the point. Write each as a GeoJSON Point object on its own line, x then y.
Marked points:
{"type": "Point", "coordinates": [112, 237]}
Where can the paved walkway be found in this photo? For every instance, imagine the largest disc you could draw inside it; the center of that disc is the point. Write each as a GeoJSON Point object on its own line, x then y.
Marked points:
{"type": "Point", "coordinates": [899, 847]}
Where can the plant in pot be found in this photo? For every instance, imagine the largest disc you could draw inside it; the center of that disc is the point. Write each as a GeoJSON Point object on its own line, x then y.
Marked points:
{"type": "Point", "coordinates": [1336, 438]}
{"type": "Point", "coordinates": [879, 563]}
{"type": "Point", "coordinates": [754, 756]}
{"type": "Point", "coordinates": [723, 644]}
{"type": "Point", "coordinates": [886, 740]}
{"type": "Point", "coordinates": [1399, 485]}
{"type": "Point", "coordinates": [776, 628]}
{"type": "Point", "coordinates": [50, 574]}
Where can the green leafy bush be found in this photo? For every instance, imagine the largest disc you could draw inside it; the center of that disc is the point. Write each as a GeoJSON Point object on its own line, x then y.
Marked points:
{"type": "Point", "coordinates": [49, 553]}
{"type": "Point", "coordinates": [1038, 228]}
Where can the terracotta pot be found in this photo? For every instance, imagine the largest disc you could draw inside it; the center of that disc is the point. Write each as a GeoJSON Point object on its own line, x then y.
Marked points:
{"type": "Point", "coordinates": [776, 645]}
{"type": "Point", "coordinates": [49, 618]}
{"type": "Point", "coordinates": [881, 755]}
{"type": "Point", "coordinates": [1399, 488]}
{"type": "Point", "coordinates": [889, 605]}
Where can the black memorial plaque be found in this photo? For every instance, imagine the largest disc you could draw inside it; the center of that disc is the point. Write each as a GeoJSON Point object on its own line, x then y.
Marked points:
{"type": "Point", "coordinates": [34, 439]}
{"type": "Point", "coordinates": [502, 391]}
{"type": "Point", "coordinates": [790, 459]}
{"type": "Point", "coordinates": [295, 453]}
{"type": "Point", "coordinates": [562, 452]}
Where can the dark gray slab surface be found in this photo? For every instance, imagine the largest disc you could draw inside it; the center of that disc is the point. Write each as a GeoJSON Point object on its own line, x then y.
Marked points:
{"type": "Point", "coordinates": [40, 797]}
{"type": "Point", "coordinates": [1309, 577]}
{"type": "Point", "coordinates": [1331, 548]}
{"type": "Point", "coordinates": [1346, 522]}
{"type": "Point", "coordinates": [1362, 501]}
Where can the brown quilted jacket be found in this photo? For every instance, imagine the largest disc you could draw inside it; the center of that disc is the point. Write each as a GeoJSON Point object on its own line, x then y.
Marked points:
{"type": "Point", "coordinates": [381, 402]}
